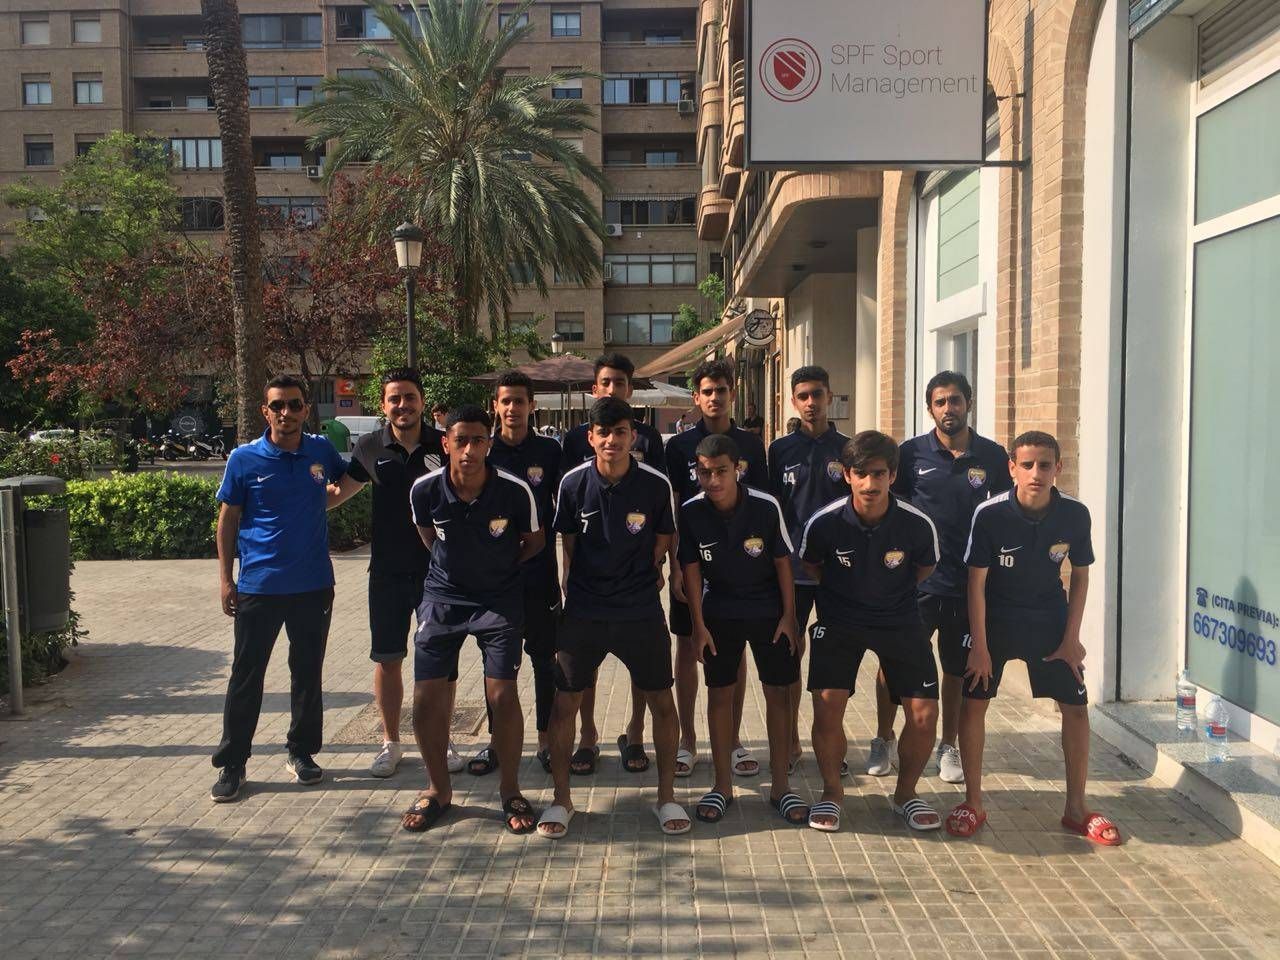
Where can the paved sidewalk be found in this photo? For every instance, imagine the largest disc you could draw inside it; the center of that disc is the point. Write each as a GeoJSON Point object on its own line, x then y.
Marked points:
{"type": "Point", "coordinates": [110, 846]}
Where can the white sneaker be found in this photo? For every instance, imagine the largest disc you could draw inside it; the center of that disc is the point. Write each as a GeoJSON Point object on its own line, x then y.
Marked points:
{"type": "Point", "coordinates": [883, 757]}
{"type": "Point", "coordinates": [388, 758]}
{"type": "Point", "coordinates": [950, 770]}
{"type": "Point", "coordinates": [454, 759]}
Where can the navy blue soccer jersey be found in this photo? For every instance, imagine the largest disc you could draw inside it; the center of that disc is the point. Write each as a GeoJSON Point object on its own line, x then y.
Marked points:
{"type": "Point", "coordinates": [869, 573]}
{"type": "Point", "coordinates": [536, 461]}
{"type": "Point", "coordinates": [948, 489]}
{"type": "Point", "coordinates": [614, 528]}
{"type": "Point", "coordinates": [475, 559]}
{"type": "Point", "coordinates": [805, 475]}
{"type": "Point", "coordinates": [682, 464]}
{"type": "Point", "coordinates": [647, 448]}
{"type": "Point", "coordinates": [736, 553]}
{"type": "Point", "coordinates": [1024, 555]}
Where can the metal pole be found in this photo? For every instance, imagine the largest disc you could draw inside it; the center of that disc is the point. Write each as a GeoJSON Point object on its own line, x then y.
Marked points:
{"type": "Point", "coordinates": [412, 351]}
{"type": "Point", "coordinates": [13, 630]}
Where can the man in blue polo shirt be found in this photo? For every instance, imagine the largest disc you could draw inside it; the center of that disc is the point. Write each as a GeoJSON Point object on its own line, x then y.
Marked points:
{"type": "Point", "coordinates": [481, 524]}
{"type": "Point", "coordinates": [272, 514]}
{"type": "Point", "coordinates": [712, 383]}
{"type": "Point", "coordinates": [1019, 611]}
{"type": "Point", "coordinates": [805, 475]}
{"type": "Point", "coordinates": [614, 374]}
{"type": "Point", "coordinates": [868, 551]}
{"type": "Point", "coordinates": [616, 521]}
{"type": "Point", "coordinates": [736, 559]}
{"type": "Point", "coordinates": [945, 473]}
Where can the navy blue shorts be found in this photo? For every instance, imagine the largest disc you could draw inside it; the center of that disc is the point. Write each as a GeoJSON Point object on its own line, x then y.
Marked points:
{"type": "Point", "coordinates": [444, 627]}
{"type": "Point", "coordinates": [949, 616]}
{"type": "Point", "coordinates": [836, 652]}
{"type": "Point", "coordinates": [393, 598]}
{"type": "Point", "coordinates": [1030, 641]}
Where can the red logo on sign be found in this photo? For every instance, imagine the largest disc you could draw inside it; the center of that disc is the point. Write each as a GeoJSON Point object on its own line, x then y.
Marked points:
{"type": "Point", "coordinates": [790, 70]}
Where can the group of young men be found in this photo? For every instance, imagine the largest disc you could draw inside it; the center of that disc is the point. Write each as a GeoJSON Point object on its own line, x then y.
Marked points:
{"type": "Point", "coordinates": [945, 534]}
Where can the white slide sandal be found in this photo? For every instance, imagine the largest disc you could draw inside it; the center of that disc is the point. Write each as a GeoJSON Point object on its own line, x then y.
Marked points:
{"type": "Point", "coordinates": [668, 812]}
{"type": "Point", "coordinates": [558, 815]}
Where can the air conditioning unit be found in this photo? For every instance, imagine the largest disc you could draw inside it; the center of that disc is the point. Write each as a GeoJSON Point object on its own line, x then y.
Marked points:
{"type": "Point", "coordinates": [606, 272]}
{"type": "Point", "coordinates": [686, 108]}
{"type": "Point", "coordinates": [608, 335]}
{"type": "Point", "coordinates": [613, 229]}
{"type": "Point", "coordinates": [313, 173]}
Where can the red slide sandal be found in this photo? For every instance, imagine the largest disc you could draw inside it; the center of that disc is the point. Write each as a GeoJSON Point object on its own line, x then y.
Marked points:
{"type": "Point", "coordinates": [1094, 828]}
{"type": "Point", "coordinates": [964, 821]}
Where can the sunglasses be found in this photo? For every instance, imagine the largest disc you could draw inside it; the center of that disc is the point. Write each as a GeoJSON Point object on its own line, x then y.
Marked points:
{"type": "Point", "coordinates": [294, 404]}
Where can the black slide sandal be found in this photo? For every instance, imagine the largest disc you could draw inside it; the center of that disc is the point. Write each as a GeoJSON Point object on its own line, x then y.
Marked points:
{"type": "Point", "coordinates": [632, 753]}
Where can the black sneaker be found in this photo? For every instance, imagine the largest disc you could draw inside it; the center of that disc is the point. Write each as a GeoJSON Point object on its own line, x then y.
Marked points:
{"type": "Point", "coordinates": [227, 787]}
{"type": "Point", "coordinates": [303, 768]}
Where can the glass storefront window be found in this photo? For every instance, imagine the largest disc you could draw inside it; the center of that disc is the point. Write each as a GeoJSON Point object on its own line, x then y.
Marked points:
{"type": "Point", "coordinates": [1237, 153]}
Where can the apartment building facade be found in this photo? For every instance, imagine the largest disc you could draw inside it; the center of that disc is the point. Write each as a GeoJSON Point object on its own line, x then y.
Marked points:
{"type": "Point", "coordinates": [75, 71]}
{"type": "Point", "coordinates": [1104, 271]}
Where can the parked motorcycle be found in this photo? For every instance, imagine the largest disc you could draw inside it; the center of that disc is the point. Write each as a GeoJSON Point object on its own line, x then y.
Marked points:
{"type": "Point", "coordinates": [174, 446]}
{"type": "Point", "coordinates": [205, 448]}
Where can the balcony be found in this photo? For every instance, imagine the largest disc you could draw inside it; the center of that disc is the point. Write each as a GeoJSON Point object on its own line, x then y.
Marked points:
{"type": "Point", "coordinates": [713, 213]}
{"type": "Point", "coordinates": [644, 179]}
{"type": "Point", "coordinates": [640, 57]}
{"type": "Point", "coordinates": [175, 122]}
{"type": "Point", "coordinates": [730, 177]}
{"type": "Point", "coordinates": [641, 118]}
{"type": "Point", "coordinates": [169, 60]}
{"type": "Point", "coordinates": [736, 125]}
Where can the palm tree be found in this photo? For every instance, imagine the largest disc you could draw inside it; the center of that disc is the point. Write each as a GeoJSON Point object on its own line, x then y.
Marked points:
{"type": "Point", "coordinates": [486, 169]}
{"type": "Point", "coordinates": [229, 84]}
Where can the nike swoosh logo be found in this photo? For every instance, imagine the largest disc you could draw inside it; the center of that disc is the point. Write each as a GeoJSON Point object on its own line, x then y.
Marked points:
{"type": "Point", "coordinates": [591, 514]}
{"type": "Point", "coordinates": [1080, 691]}
{"type": "Point", "coordinates": [266, 478]}
{"type": "Point", "coordinates": [705, 546]}
{"type": "Point", "coordinates": [843, 553]}
{"type": "Point", "coordinates": [792, 466]}
{"type": "Point", "coordinates": [921, 471]}
{"type": "Point", "coordinates": [441, 523]}
{"type": "Point", "coordinates": [928, 685]}
{"type": "Point", "coordinates": [381, 462]}
{"type": "Point", "coordinates": [1010, 549]}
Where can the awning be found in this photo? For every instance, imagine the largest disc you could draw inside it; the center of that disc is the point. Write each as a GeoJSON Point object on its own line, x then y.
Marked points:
{"type": "Point", "coordinates": [686, 355]}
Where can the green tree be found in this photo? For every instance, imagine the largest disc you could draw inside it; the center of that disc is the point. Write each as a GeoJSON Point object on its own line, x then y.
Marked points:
{"type": "Point", "coordinates": [33, 305]}
{"type": "Point", "coordinates": [689, 321]}
{"type": "Point", "coordinates": [485, 169]}
{"type": "Point", "coordinates": [110, 204]}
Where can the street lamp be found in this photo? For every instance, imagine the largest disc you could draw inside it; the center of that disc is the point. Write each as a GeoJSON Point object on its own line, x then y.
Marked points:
{"type": "Point", "coordinates": [558, 340]}
{"type": "Point", "coordinates": [408, 239]}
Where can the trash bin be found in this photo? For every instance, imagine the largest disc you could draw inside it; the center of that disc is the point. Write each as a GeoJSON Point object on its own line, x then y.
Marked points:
{"type": "Point", "coordinates": [43, 546]}
{"type": "Point", "coordinates": [337, 434]}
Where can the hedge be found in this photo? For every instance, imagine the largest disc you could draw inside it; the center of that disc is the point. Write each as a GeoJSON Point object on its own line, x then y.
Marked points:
{"type": "Point", "coordinates": [41, 653]}
{"type": "Point", "coordinates": [170, 516]}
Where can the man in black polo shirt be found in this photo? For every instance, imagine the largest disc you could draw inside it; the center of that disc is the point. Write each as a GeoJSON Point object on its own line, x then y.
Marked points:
{"type": "Point", "coordinates": [712, 383]}
{"type": "Point", "coordinates": [614, 373]}
{"type": "Point", "coordinates": [616, 522]}
{"type": "Point", "coordinates": [535, 460]}
{"type": "Point", "coordinates": [480, 524]}
{"type": "Point", "coordinates": [392, 459]}
{"type": "Point", "coordinates": [805, 475]}
{"type": "Point", "coordinates": [868, 552]}
{"type": "Point", "coordinates": [1019, 611]}
{"type": "Point", "coordinates": [733, 542]}
{"type": "Point", "coordinates": [945, 473]}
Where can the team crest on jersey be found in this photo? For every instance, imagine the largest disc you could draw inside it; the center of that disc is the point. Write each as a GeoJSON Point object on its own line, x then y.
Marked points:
{"type": "Point", "coordinates": [893, 559]}
{"type": "Point", "coordinates": [1058, 552]}
{"type": "Point", "coordinates": [635, 522]}
{"type": "Point", "coordinates": [317, 472]}
{"type": "Point", "coordinates": [977, 477]}
{"type": "Point", "coordinates": [754, 546]}
{"type": "Point", "coordinates": [497, 527]}
{"type": "Point", "coordinates": [835, 472]}
{"type": "Point", "coordinates": [742, 469]}
{"type": "Point", "coordinates": [534, 476]}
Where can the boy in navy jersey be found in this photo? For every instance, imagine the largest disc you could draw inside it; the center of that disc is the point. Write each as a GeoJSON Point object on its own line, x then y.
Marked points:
{"type": "Point", "coordinates": [616, 522]}
{"type": "Point", "coordinates": [713, 393]}
{"type": "Point", "coordinates": [1019, 611]}
{"type": "Point", "coordinates": [734, 543]}
{"type": "Point", "coordinates": [614, 373]}
{"type": "Point", "coordinates": [805, 474]}
{"type": "Point", "coordinates": [480, 524]}
{"type": "Point", "coordinates": [868, 552]}
{"type": "Point", "coordinates": [535, 460]}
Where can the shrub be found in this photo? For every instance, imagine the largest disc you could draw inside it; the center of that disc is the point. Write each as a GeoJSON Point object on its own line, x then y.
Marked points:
{"type": "Point", "coordinates": [68, 459]}
{"type": "Point", "coordinates": [41, 652]}
{"type": "Point", "coordinates": [170, 516]}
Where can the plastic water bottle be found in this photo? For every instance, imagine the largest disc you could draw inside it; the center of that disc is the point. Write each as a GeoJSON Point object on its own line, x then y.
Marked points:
{"type": "Point", "coordinates": [1215, 732]}
{"type": "Point", "coordinates": [1185, 714]}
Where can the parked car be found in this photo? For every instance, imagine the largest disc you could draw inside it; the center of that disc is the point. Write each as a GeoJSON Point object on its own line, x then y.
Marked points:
{"type": "Point", "coordinates": [48, 436]}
